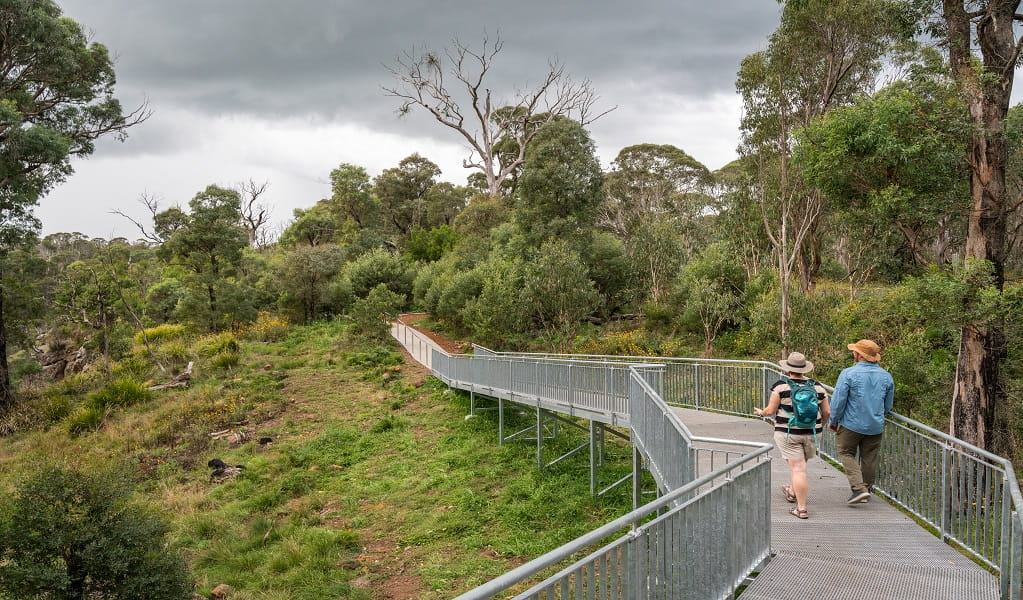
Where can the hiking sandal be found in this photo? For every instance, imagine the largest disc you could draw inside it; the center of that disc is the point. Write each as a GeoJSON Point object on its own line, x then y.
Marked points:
{"type": "Point", "coordinates": [789, 496]}
{"type": "Point", "coordinates": [799, 512]}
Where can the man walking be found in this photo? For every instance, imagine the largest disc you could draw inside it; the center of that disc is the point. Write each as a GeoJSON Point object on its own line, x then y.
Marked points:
{"type": "Point", "coordinates": [863, 397]}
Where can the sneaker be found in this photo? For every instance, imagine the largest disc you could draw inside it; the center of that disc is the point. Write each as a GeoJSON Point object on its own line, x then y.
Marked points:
{"type": "Point", "coordinates": [858, 497]}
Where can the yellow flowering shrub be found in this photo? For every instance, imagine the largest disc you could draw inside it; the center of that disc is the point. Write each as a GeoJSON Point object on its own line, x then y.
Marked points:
{"type": "Point", "coordinates": [267, 328]}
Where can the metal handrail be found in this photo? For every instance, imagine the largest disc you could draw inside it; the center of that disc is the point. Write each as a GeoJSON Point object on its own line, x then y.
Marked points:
{"type": "Point", "coordinates": [970, 496]}
{"type": "Point", "coordinates": [666, 443]}
{"type": "Point", "coordinates": [627, 521]}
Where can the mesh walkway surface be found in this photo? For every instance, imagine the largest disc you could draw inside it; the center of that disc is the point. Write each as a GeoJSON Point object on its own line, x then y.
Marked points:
{"type": "Point", "coordinates": [862, 552]}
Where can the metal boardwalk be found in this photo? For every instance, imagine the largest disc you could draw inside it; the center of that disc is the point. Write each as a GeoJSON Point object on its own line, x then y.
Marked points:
{"type": "Point", "coordinates": [861, 552]}
{"type": "Point", "coordinates": [720, 527]}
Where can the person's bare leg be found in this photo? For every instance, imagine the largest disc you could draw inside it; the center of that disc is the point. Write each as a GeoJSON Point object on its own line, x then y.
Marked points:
{"type": "Point", "coordinates": [799, 484]}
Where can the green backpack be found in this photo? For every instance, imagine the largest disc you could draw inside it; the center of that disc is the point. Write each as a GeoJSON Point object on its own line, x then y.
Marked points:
{"type": "Point", "coordinates": [804, 404]}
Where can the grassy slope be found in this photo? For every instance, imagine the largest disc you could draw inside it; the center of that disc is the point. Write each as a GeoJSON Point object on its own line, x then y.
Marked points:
{"type": "Point", "coordinates": [375, 486]}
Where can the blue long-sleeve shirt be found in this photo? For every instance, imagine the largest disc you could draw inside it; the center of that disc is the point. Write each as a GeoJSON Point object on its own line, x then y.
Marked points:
{"type": "Point", "coordinates": [864, 394]}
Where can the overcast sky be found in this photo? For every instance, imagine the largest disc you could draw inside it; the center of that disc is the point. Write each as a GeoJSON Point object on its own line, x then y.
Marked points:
{"type": "Point", "coordinates": [284, 91]}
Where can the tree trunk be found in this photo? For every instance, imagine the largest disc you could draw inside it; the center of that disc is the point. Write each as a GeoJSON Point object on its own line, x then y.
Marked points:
{"type": "Point", "coordinates": [982, 346]}
{"type": "Point", "coordinates": [6, 393]}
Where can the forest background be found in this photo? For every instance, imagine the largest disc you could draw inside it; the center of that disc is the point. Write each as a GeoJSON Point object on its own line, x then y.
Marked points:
{"type": "Point", "coordinates": [847, 215]}
{"type": "Point", "coordinates": [877, 195]}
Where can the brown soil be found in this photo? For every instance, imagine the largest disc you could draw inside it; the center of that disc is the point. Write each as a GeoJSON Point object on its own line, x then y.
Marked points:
{"type": "Point", "coordinates": [447, 344]}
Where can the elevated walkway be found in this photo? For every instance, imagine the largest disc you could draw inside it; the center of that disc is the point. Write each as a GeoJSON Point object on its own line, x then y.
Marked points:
{"type": "Point", "coordinates": [860, 552]}
{"type": "Point", "coordinates": [720, 518]}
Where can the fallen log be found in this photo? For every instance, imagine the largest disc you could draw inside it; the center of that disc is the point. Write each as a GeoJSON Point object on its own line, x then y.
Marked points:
{"type": "Point", "coordinates": [180, 380]}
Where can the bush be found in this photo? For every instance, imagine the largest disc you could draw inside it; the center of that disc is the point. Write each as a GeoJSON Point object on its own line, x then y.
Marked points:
{"type": "Point", "coordinates": [162, 300]}
{"type": "Point", "coordinates": [120, 393]}
{"type": "Point", "coordinates": [377, 357]}
{"type": "Point", "coordinates": [134, 366]}
{"type": "Point", "coordinates": [370, 313]}
{"type": "Point", "coordinates": [71, 535]}
{"type": "Point", "coordinates": [212, 345]}
{"type": "Point", "coordinates": [461, 288]}
{"type": "Point", "coordinates": [85, 418]}
{"type": "Point", "coordinates": [267, 328]}
{"type": "Point", "coordinates": [161, 333]}
{"type": "Point", "coordinates": [226, 360]}
{"type": "Point", "coordinates": [379, 267]}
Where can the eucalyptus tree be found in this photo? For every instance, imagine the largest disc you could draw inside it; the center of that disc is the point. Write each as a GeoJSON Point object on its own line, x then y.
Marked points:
{"type": "Point", "coordinates": [352, 196]}
{"type": "Point", "coordinates": [560, 187]}
{"type": "Point", "coordinates": [1014, 189]}
{"type": "Point", "coordinates": [823, 53]}
{"type": "Point", "coordinates": [207, 241]}
{"type": "Point", "coordinates": [255, 215]}
{"type": "Point", "coordinates": [56, 100]}
{"type": "Point", "coordinates": [650, 181]}
{"type": "Point", "coordinates": [312, 226]}
{"type": "Point", "coordinates": [897, 159]}
{"type": "Point", "coordinates": [305, 278]}
{"type": "Point", "coordinates": [403, 193]}
{"type": "Point", "coordinates": [984, 51]}
{"type": "Point", "coordinates": [497, 131]}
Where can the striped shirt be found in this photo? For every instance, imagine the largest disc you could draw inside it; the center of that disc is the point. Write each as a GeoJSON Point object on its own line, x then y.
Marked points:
{"type": "Point", "coordinates": [785, 408]}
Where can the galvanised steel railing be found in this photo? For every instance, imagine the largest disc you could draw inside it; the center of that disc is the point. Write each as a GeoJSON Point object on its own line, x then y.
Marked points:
{"type": "Point", "coordinates": [970, 497]}
{"type": "Point", "coordinates": [692, 548]}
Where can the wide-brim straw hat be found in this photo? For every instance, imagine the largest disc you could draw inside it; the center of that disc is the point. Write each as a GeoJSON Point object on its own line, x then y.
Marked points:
{"type": "Point", "coordinates": [796, 363]}
{"type": "Point", "coordinates": [867, 349]}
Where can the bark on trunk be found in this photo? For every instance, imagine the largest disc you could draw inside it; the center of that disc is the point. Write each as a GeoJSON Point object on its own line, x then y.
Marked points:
{"type": "Point", "coordinates": [987, 93]}
{"type": "Point", "coordinates": [6, 393]}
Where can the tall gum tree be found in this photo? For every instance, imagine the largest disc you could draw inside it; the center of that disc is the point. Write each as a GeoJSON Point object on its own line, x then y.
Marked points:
{"type": "Point", "coordinates": [56, 99]}
{"type": "Point", "coordinates": [983, 51]}
{"type": "Point", "coordinates": [497, 132]}
{"type": "Point", "coordinates": [823, 53]}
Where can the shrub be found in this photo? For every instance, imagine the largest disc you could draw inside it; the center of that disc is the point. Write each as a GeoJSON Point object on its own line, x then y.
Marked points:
{"type": "Point", "coordinates": [389, 423]}
{"type": "Point", "coordinates": [120, 393]}
{"type": "Point", "coordinates": [71, 535]}
{"type": "Point", "coordinates": [370, 313]}
{"type": "Point", "coordinates": [267, 328]}
{"type": "Point", "coordinates": [135, 366]}
{"type": "Point", "coordinates": [460, 289]}
{"type": "Point", "coordinates": [379, 267]}
{"type": "Point", "coordinates": [162, 299]}
{"type": "Point", "coordinates": [87, 417]}
{"type": "Point", "coordinates": [377, 357]}
{"type": "Point", "coordinates": [226, 360]}
{"type": "Point", "coordinates": [211, 345]}
{"type": "Point", "coordinates": [161, 333]}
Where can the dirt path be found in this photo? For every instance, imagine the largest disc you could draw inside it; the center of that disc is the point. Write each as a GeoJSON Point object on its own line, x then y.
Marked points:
{"type": "Point", "coordinates": [447, 344]}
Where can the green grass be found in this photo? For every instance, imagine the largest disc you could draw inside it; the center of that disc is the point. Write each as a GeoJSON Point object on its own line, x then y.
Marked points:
{"type": "Point", "coordinates": [374, 477]}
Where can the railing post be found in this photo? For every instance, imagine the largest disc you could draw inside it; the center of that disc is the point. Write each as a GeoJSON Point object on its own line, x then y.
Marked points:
{"type": "Point", "coordinates": [1005, 564]}
{"type": "Point", "coordinates": [1017, 560]}
{"type": "Point", "coordinates": [593, 458]}
{"type": "Point", "coordinates": [946, 500]}
{"type": "Point", "coordinates": [539, 436]}
{"type": "Point", "coordinates": [637, 490]}
{"type": "Point", "coordinates": [500, 421]}
{"type": "Point", "coordinates": [696, 386]}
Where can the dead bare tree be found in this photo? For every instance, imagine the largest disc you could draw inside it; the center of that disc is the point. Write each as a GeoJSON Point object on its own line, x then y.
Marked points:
{"type": "Point", "coordinates": [498, 133]}
{"type": "Point", "coordinates": [153, 206]}
{"type": "Point", "coordinates": [255, 215]}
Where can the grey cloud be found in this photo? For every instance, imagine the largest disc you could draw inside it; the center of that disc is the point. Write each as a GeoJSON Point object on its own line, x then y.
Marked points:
{"type": "Point", "coordinates": [325, 57]}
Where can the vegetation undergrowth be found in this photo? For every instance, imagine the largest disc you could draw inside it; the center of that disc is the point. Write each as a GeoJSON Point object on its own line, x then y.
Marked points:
{"type": "Point", "coordinates": [361, 475]}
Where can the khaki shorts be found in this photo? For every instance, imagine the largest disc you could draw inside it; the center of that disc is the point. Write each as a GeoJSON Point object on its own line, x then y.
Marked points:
{"type": "Point", "coordinates": [794, 446]}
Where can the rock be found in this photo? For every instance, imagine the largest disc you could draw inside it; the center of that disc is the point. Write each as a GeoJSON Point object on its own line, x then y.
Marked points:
{"type": "Point", "coordinates": [58, 362]}
{"type": "Point", "coordinates": [221, 591]}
